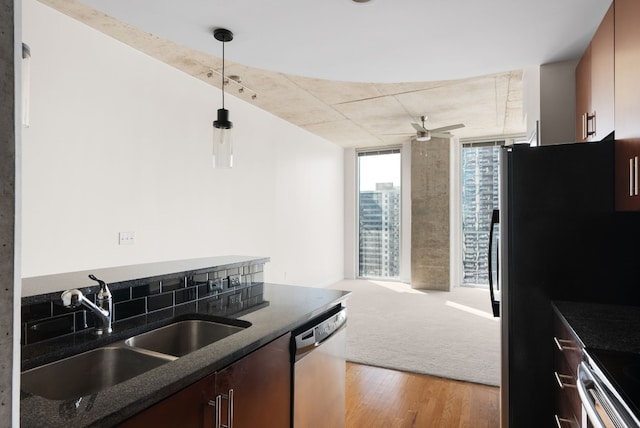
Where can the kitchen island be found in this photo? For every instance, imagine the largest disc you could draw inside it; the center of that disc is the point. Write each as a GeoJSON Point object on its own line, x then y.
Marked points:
{"type": "Point", "coordinates": [273, 310]}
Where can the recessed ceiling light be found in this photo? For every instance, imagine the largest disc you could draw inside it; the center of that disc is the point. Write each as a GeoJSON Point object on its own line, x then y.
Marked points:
{"type": "Point", "coordinates": [361, 1]}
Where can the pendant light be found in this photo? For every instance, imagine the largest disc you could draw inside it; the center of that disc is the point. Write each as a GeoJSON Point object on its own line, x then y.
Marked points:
{"type": "Point", "coordinates": [222, 144]}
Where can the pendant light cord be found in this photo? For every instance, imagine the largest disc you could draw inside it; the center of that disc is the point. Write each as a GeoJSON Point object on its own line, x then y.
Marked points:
{"type": "Point", "coordinates": [222, 87]}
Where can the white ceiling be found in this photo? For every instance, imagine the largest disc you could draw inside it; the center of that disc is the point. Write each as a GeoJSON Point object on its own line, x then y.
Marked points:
{"type": "Point", "coordinates": [354, 73]}
{"type": "Point", "coordinates": [382, 41]}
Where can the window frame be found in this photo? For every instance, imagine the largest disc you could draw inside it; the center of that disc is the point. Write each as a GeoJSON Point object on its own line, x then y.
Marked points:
{"type": "Point", "coordinates": [373, 151]}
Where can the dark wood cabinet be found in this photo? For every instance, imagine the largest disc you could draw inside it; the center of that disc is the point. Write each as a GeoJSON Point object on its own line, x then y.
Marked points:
{"type": "Point", "coordinates": [568, 354]}
{"type": "Point", "coordinates": [627, 69]}
{"type": "Point", "coordinates": [583, 94]}
{"type": "Point", "coordinates": [602, 78]}
{"type": "Point", "coordinates": [595, 105]}
{"type": "Point", "coordinates": [627, 103]}
{"type": "Point", "coordinates": [188, 408]}
{"type": "Point", "coordinates": [253, 391]}
{"type": "Point", "coordinates": [627, 158]}
{"type": "Point", "coordinates": [258, 388]}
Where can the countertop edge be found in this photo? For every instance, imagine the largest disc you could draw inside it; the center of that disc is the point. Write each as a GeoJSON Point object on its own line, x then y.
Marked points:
{"type": "Point", "coordinates": [32, 287]}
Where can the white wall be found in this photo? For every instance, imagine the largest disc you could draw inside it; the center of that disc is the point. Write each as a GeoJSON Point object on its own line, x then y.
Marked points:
{"type": "Point", "coordinates": [549, 95]}
{"type": "Point", "coordinates": [558, 102]}
{"type": "Point", "coordinates": [531, 98]}
{"type": "Point", "coordinates": [122, 142]}
{"type": "Point", "coordinates": [351, 247]}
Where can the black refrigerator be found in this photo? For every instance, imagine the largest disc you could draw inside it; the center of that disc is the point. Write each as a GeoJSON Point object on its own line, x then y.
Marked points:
{"type": "Point", "coordinates": [556, 228]}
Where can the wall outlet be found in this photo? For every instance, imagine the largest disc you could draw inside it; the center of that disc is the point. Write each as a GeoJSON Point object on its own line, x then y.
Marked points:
{"type": "Point", "coordinates": [235, 281]}
{"type": "Point", "coordinates": [127, 238]}
{"type": "Point", "coordinates": [215, 285]}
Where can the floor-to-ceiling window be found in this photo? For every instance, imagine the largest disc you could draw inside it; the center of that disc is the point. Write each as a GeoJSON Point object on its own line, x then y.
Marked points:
{"type": "Point", "coordinates": [379, 213]}
{"type": "Point", "coordinates": [480, 180]}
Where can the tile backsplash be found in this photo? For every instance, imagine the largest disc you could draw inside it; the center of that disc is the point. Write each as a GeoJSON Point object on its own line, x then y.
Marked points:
{"type": "Point", "coordinates": [42, 320]}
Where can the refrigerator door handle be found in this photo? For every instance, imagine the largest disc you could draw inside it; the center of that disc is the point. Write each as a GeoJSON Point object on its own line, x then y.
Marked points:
{"type": "Point", "coordinates": [495, 304]}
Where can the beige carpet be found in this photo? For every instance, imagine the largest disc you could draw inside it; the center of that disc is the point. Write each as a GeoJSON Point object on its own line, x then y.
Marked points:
{"type": "Point", "coordinates": [445, 334]}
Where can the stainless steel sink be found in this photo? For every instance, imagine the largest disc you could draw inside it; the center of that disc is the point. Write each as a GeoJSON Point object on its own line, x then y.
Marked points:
{"type": "Point", "coordinates": [183, 337]}
{"type": "Point", "coordinates": [89, 372]}
{"type": "Point", "coordinates": [95, 370]}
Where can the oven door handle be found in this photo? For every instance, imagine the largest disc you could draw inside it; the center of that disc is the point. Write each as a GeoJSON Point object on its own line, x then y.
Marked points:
{"type": "Point", "coordinates": [603, 410]}
{"type": "Point", "coordinates": [584, 382]}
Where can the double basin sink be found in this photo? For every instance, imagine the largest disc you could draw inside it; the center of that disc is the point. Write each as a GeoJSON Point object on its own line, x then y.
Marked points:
{"type": "Point", "coordinates": [95, 370]}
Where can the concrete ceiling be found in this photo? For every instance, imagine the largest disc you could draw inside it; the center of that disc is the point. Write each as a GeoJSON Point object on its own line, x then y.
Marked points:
{"type": "Point", "coordinates": [312, 63]}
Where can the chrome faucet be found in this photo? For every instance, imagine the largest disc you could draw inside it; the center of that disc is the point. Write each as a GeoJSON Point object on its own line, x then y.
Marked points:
{"type": "Point", "coordinates": [103, 308]}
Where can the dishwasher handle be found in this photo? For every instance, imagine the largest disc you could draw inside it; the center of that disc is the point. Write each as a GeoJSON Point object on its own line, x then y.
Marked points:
{"type": "Point", "coordinates": [314, 336]}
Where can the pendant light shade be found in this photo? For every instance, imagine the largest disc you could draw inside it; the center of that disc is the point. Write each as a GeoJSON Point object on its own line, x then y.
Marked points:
{"type": "Point", "coordinates": [222, 141]}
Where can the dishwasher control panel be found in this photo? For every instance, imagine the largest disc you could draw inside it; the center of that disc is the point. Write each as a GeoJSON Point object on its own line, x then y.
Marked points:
{"type": "Point", "coordinates": [320, 330]}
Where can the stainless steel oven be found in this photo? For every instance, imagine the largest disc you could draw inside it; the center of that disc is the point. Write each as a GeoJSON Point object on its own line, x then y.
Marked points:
{"type": "Point", "coordinates": [607, 385]}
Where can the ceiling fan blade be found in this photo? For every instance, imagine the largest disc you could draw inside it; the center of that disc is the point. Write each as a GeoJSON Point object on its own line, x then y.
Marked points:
{"type": "Point", "coordinates": [419, 128]}
{"type": "Point", "coordinates": [441, 135]}
{"type": "Point", "coordinates": [448, 128]}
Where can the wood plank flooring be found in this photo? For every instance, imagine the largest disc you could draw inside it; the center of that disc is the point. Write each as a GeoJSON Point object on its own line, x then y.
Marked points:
{"type": "Point", "coordinates": [378, 397]}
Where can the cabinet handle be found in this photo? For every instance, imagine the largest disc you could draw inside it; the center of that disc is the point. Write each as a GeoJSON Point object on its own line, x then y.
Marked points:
{"type": "Point", "coordinates": [561, 383]}
{"type": "Point", "coordinates": [631, 177]}
{"type": "Point", "coordinates": [229, 410]}
{"type": "Point", "coordinates": [217, 404]}
{"type": "Point", "coordinates": [584, 126]}
{"type": "Point", "coordinates": [561, 347]}
{"type": "Point", "coordinates": [591, 120]}
{"type": "Point", "coordinates": [635, 176]}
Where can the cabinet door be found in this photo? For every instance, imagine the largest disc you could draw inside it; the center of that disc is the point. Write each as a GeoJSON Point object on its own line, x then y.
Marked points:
{"type": "Point", "coordinates": [257, 388]}
{"type": "Point", "coordinates": [567, 357]}
{"type": "Point", "coordinates": [627, 177]}
{"type": "Point", "coordinates": [186, 409]}
{"type": "Point", "coordinates": [627, 69]}
{"type": "Point", "coordinates": [583, 94]}
{"type": "Point", "coordinates": [602, 79]}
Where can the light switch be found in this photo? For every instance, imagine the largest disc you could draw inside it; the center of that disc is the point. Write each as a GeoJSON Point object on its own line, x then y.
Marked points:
{"type": "Point", "coordinates": [127, 238]}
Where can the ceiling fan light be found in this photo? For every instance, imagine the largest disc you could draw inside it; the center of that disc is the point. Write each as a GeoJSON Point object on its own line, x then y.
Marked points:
{"type": "Point", "coordinates": [423, 136]}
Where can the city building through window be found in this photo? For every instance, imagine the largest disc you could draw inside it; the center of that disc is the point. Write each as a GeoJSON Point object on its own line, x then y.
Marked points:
{"type": "Point", "coordinates": [379, 213]}
{"type": "Point", "coordinates": [480, 195]}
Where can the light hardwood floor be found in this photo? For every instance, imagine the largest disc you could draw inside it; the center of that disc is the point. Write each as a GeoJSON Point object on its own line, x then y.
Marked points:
{"type": "Point", "coordinates": [378, 397]}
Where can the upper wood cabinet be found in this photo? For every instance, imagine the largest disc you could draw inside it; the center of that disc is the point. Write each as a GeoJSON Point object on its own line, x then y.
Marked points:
{"type": "Point", "coordinates": [595, 105]}
{"type": "Point", "coordinates": [583, 94]}
{"type": "Point", "coordinates": [626, 174]}
{"type": "Point", "coordinates": [627, 66]}
{"type": "Point", "coordinates": [627, 103]}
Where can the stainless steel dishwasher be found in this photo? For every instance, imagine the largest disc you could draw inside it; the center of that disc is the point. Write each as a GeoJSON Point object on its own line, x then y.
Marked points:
{"type": "Point", "coordinates": [318, 353]}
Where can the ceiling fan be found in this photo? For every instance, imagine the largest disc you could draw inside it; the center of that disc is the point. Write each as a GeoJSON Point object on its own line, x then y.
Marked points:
{"type": "Point", "coordinates": [424, 134]}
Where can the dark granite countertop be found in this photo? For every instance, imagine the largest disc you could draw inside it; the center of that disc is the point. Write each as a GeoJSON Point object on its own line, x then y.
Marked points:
{"type": "Point", "coordinates": [603, 326]}
{"type": "Point", "coordinates": [281, 309]}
